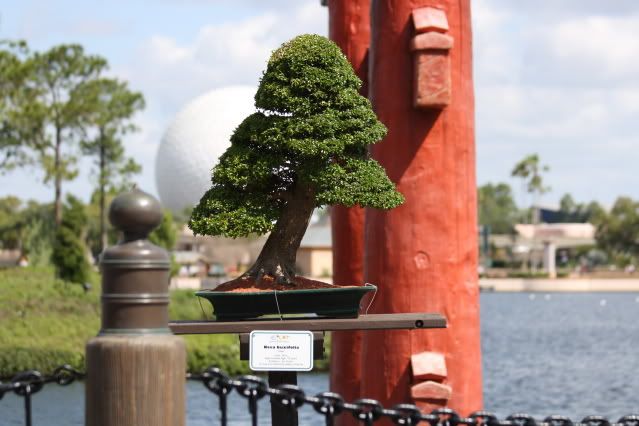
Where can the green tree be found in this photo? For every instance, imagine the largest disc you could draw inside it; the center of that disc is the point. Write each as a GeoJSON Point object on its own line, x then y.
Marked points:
{"type": "Point", "coordinates": [618, 230]}
{"type": "Point", "coordinates": [306, 147]}
{"type": "Point", "coordinates": [108, 106]}
{"type": "Point", "coordinates": [530, 170]}
{"type": "Point", "coordinates": [567, 207]}
{"type": "Point", "coordinates": [182, 217]}
{"type": "Point", "coordinates": [10, 223]}
{"type": "Point", "coordinates": [45, 115]}
{"type": "Point", "coordinates": [165, 235]}
{"type": "Point", "coordinates": [69, 251]}
{"type": "Point", "coordinates": [16, 123]}
{"type": "Point", "coordinates": [27, 227]}
{"type": "Point", "coordinates": [572, 211]}
{"type": "Point", "coordinates": [497, 208]}
{"type": "Point", "coordinates": [38, 229]}
{"type": "Point", "coordinates": [94, 229]}
{"type": "Point", "coordinates": [594, 212]}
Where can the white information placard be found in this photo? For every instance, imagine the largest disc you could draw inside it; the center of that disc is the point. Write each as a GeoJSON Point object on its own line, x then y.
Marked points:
{"type": "Point", "coordinates": [277, 350]}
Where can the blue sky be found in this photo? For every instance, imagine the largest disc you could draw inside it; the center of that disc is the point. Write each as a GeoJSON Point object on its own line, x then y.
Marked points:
{"type": "Point", "coordinates": [556, 78]}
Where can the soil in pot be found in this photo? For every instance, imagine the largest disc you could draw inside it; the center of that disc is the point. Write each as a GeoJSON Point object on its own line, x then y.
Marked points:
{"type": "Point", "coordinates": [247, 284]}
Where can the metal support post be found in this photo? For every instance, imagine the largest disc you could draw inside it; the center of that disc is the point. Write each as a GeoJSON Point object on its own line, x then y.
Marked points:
{"type": "Point", "coordinates": [135, 366]}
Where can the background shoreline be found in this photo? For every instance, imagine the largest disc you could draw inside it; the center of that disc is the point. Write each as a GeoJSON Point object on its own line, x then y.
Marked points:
{"type": "Point", "coordinates": [560, 285]}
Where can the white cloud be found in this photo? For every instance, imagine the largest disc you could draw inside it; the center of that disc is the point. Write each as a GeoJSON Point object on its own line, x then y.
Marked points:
{"type": "Point", "coordinates": [495, 56]}
{"type": "Point", "coordinates": [95, 27]}
{"type": "Point", "coordinates": [627, 101]}
{"type": "Point", "coordinates": [170, 72]}
{"type": "Point", "coordinates": [563, 83]}
{"type": "Point", "coordinates": [543, 11]}
{"type": "Point", "coordinates": [586, 51]}
{"type": "Point", "coordinates": [560, 78]}
{"type": "Point", "coordinates": [231, 53]}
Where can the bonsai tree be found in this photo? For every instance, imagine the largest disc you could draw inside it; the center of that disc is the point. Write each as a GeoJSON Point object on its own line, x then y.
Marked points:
{"type": "Point", "coordinates": [305, 147]}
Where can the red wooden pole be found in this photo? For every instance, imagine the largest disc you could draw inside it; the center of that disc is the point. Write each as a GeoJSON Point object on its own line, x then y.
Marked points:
{"type": "Point", "coordinates": [423, 254]}
{"type": "Point", "coordinates": [349, 28]}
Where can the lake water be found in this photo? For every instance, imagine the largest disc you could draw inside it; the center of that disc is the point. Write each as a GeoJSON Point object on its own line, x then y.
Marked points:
{"type": "Point", "coordinates": [570, 354]}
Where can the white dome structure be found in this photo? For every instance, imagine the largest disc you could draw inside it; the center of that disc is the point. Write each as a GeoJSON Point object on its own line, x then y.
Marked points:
{"type": "Point", "coordinates": [194, 141]}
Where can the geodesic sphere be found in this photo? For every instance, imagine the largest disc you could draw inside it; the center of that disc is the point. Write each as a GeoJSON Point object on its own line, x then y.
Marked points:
{"type": "Point", "coordinates": [194, 141]}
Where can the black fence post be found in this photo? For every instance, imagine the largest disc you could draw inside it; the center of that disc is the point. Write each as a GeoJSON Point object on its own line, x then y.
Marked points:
{"type": "Point", "coordinates": [282, 415]}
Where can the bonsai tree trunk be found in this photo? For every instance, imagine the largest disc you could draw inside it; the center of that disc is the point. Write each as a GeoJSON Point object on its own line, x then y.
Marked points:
{"type": "Point", "coordinates": [277, 258]}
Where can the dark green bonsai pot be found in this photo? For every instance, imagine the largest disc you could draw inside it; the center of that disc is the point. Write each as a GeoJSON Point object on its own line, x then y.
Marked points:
{"type": "Point", "coordinates": [338, 302]}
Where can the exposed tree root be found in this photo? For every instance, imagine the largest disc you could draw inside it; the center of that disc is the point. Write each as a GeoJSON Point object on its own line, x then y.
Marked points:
{"type": "Point", "coordinates": [274, 270]}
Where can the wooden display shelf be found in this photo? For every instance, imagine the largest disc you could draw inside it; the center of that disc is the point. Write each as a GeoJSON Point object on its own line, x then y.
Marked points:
{"type": "Point", "coordinates": [410, 321]}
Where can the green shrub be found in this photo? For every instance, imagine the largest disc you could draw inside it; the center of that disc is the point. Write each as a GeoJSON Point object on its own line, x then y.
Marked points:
{"type": "Point", "coordinates": [524, 274]}
{"type": "Point", "coordinates": [46, 323]}
{"type": "Point", "coordinates": [31, 227]}
{"type": "Point", "coordinates": [69, 257]}
{"type": "Point", "coordinates": [69, 251]}
{"type": "Point", "coordinates": [222, 351]}
{"type": "Point", "coordinates": [14, 359]}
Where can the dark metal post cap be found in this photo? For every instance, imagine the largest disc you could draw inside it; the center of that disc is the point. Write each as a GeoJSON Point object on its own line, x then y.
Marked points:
{"type": "Point", "coordinates": [135, 213]}
{"type": "Point", "coordinates": [135, 272]}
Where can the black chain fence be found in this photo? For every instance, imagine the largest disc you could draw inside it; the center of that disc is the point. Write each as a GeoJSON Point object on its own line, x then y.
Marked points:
{"type": "Point", "coordinates": [327, 404]}
{"type": "Point", "coordinates": [27, 383]}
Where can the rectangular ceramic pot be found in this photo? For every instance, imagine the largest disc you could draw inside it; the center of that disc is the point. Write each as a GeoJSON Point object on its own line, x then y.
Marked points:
{"type": "Point", "coordinates": [338, 302]}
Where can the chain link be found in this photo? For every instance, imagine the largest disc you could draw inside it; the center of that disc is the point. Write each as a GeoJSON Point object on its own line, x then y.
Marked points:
{"type": "Point", "coordinates": [328, 404]}
{"type": "Point", "coordinates": [368, 411]}
{"type": "Point", "coordinates": [32, 381]}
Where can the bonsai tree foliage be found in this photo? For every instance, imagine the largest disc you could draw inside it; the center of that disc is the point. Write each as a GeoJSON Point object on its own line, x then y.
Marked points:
{"type": "Point", "coordinates": [305, 147]}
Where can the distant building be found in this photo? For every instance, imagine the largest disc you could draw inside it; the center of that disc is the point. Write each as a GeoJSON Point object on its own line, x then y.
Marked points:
{"type": "Point", "coordinates": [541, 243]}
{"type": "Point", "coordinates": [214, 255]}
{"type": "Point", "coordinates": [209, 259]}
{"type": "Point", "coordinates": [9, 258]}
{"type": "Point", "coordinates": [532, 237]}
{"type": "Point", "coordinates": [315, 255]}
{"type": "Point", "coordinates": [563, 235]}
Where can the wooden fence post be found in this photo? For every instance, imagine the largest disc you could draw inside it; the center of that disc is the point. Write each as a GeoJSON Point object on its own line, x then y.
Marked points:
{"type": "Point", "coordinates": [135, 366]}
